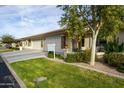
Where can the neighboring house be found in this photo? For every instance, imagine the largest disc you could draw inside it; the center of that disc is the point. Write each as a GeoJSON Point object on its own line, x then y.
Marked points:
{"type": "Point", "coordinates": [60, 39]}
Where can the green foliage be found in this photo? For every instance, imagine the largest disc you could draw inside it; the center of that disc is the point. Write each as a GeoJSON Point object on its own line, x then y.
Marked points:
{"type": "Point", "coordinates": [62, 75]}
{"type": "Point", "coordinates": [71, 58]}
{"type": "Point", "coordinates": [120, 68]}
{"type": "Point", "coordinates": [104, 20]}
{"type": "Point", "coordinates": [114, 47]}
{"type": "Point", "coordinates": [78, 19]}
{"type": "Point", "coordinates": [51, 55]}
{"type": "Point", "coordinates": [79, 57]}
{"type": "Point", "coordinates": [115, 60]}
{"type": "Point", "coordinates": [16, 48]}
{"type": "Point", "coordinates": [71, 21]}
{"type": "Point", "coordinates": [87, 55]}
{"type": "Point", "coordinates": [7, 39]}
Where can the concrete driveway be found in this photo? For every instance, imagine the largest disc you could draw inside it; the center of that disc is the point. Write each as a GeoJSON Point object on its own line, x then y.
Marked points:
{"type": "Point", "coordinates": [22, 55]}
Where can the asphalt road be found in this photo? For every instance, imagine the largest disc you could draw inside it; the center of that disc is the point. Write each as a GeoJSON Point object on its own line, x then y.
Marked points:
{"type": "Point", "coordinates": [6, 78]}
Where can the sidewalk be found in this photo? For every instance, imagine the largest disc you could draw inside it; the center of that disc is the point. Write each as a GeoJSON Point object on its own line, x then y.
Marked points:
{"type": "Point", "coordinates": [102, 68]}
{"type": "Point", "coordinates": [99, 67]}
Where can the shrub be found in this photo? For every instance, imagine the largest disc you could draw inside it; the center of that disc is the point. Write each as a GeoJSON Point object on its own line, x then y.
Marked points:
{"type": "Point", "coordinates": [87, 55]}
{"type": "Point", "coordinates": [59, 56]}
{"type": "Point", "coordinates": [15, 48]}
{"type": "Point", "coordinates": [79, 57]}
{"type": "Point", "coordinates": [121, 68]}
{"type": "Point", "coordinates": [71, 58]}
{"type": "Point", "coordinates": [114, 47]}
{"type": "Point", "coordinates": [51, 55]}
{"type": "Point", "coordinates": [116, 60]}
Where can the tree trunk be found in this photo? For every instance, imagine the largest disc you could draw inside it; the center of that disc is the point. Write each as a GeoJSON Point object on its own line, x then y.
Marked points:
{"type": "Point", "coordinates": [94, 39]}
{"type": "Point", "coordinates": [93, 51]}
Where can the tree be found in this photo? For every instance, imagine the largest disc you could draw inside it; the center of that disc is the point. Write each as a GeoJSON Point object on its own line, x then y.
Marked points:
{"type": "Point", "coordinates": [74, 26]}
{"type": "Point", "coordinates": [7, 39]}
{"type": "Point", "coordinates": [103, 20]}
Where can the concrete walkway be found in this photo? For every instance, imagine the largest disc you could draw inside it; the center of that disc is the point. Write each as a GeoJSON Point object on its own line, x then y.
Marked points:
{"type": "Point", "coordinates": [99, 67]}
{"type": "Point", "coordinates": [102, 68]}
{"type": "Point", "coordinates": [22, 55]}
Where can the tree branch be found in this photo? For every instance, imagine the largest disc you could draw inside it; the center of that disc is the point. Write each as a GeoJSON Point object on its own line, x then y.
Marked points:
{"type": "Point", "coordinates": [97, 31]}
{"type": "Point", "coordinates": [85, 16]}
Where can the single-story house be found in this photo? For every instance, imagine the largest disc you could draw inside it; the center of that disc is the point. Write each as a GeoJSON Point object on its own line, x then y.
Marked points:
{"type": "Point", "coordinates": [61, 41]}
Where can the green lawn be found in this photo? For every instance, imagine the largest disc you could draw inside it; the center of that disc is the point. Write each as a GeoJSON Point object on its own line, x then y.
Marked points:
{"type": "Point", "coordinates": [62, 75]}
{"type": "Point", "coordinates": [6, 50]}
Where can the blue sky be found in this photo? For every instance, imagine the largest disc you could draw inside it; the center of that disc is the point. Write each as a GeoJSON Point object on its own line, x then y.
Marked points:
{"type": "Point", "coordinates": [22, 21]}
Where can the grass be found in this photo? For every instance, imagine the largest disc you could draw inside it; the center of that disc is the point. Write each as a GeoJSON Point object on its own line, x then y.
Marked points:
{"type": "Point", "coordinates": [6, 50]}
{"type": "Point", "coordinates": [62, 75]}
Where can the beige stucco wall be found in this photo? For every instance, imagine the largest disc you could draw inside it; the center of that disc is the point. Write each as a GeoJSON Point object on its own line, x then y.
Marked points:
{"type": "Point", "coordinates": [56, 39]}
{"type": "Point", "coordinates": [69, 45]}
{"type": "Point", "coordinates": [87, 43]}
{"type": "Point", "coordinates": [121, 37]}
{"type": "Point", "coordinates": [53, 40]}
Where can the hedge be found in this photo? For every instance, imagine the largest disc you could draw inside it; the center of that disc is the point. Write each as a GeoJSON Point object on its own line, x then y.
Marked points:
{"type": "Point", "coordinates": [79, 57]}
{"type": "Point", "coordinates": [115, 60]}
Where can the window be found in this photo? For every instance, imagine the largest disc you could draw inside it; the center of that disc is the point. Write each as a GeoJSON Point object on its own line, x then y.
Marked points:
{"type": "Point", "coordinates": [100, 42]}
{"type": "Point", "coordinates": [63, 42]}
{"type": "Point", "coordinates": [82, 42]}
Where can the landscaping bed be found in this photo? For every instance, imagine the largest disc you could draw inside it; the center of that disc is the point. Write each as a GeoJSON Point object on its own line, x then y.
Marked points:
{"type": "Point", "coordinates": [62, 75]}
